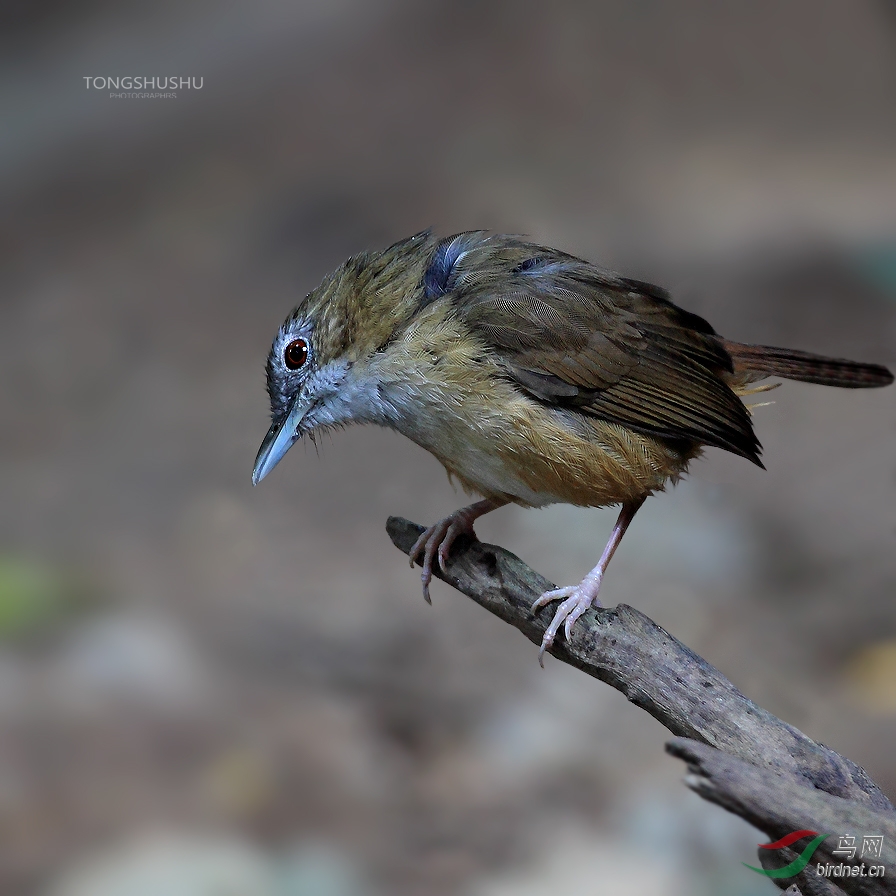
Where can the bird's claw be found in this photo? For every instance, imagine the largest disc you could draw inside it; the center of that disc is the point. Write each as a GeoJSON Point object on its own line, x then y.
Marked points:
{"type": "Point", "coordinates": [576, 600]}
{"type": "Point", "coordinates": [435, 544]}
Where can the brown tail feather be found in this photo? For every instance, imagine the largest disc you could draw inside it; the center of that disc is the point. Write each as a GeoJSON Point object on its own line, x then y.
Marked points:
{"type": "Point", "coordinates": [752, 362]}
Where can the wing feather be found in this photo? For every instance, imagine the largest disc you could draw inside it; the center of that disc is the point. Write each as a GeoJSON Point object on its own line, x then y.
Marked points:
{"type": "Point", "coordinates": [572, 334]}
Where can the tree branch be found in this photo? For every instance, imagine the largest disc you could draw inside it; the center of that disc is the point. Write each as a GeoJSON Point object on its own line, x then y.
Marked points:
{"type": "Point", "coordinates": [773, 803]}
{"type": "Point", "coordinates": [789, 772]}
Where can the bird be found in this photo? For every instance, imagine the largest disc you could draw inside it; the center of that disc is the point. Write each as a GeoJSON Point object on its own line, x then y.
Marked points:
{"type": "Point", "coordinates": [535, 377]}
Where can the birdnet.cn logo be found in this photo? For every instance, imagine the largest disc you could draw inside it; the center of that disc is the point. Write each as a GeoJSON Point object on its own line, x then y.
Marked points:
{"type": "Point", "coordinates": [140, 88]}
{"type": "Point", "coordinates": [848, 845]}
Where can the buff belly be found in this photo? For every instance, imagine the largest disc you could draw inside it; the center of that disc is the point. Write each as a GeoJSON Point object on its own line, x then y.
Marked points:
{"type": "Point", "coordinates": [456, 402]}
{"type": "Point", "coordinates": [547, 456]}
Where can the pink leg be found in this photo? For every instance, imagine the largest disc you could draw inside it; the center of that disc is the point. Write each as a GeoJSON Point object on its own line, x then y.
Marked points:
{"type": "Point", "coordinates": [438, 538]}
{"type": "Point", "coordinates": [579, 598]}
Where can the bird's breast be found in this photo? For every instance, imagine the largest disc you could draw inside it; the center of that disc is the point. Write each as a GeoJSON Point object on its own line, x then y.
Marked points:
{"type": "Point", "coordinates": [496, 440]}
{"type": "Point", "coordinates": [537, 456]}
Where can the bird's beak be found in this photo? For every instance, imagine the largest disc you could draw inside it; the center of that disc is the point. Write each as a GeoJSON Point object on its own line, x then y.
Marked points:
{"type": "Point", "coordinates": [281, 437]}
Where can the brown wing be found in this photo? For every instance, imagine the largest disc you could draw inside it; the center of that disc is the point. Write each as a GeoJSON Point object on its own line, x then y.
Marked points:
{"type": "Point", "coordinates": [571, 334]}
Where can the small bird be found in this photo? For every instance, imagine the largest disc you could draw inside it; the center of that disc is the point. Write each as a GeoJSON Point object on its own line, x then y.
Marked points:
{"type": "Point", "coordinates": [535, 377]}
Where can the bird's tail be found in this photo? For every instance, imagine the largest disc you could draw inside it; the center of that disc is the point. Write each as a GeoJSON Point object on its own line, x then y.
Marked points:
{"type": "Point", "coordinates": [753, 362]}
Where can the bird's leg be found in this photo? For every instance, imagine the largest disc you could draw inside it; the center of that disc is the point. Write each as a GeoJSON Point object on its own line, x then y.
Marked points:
{"type": "Point", "coordinates": [579, 598]}
{"type": "Point", "coordinates": [436, 541]}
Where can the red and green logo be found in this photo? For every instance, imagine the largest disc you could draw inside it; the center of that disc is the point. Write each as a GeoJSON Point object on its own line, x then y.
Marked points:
{"type": "Point", "coordinates": [800, 862]}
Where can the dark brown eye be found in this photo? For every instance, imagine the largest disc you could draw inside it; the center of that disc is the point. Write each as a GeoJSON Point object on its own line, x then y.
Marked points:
{"type": "Point", "coordinates": [295, 354]}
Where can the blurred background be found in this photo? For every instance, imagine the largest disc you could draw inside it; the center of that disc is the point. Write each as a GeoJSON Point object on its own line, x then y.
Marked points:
{"type": "Point", "coordinates": [208, 689]}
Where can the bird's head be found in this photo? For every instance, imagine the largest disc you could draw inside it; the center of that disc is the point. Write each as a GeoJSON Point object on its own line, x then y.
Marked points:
{"type": "Point", "coordinates": [317, 377]}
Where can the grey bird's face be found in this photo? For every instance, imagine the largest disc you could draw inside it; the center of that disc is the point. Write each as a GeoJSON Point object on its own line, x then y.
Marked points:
{"type": "Point", "coordinates": [328, 358]}
{"type": "Point", "coordinates": [304, 392]}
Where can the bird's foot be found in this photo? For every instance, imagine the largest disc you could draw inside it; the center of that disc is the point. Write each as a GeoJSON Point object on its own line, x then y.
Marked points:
{"type": "Point", "coordinates": [435, 542]}
{"type": "Point", "coordinates": [576, 599]}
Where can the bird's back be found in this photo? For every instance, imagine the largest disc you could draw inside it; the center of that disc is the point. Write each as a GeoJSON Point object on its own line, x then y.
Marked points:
{"type": "Point", "coordinates": [558, 380]}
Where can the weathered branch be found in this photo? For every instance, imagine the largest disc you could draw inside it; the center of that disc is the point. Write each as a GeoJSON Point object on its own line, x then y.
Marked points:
{"type": "Point", "coordinates": [774, 803]}
{"type": "Point", "coordinates": [793, 776]}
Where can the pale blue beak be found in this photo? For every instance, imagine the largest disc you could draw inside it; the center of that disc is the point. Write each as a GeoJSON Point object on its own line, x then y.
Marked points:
{"type": "Point", "coordinates": [282, 435]}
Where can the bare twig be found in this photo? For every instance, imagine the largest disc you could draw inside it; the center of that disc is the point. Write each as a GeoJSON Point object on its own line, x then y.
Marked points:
{"type": "Point", "coordinates": [742, 757]}
{"type": "Point", "coordinates": [775, 803]}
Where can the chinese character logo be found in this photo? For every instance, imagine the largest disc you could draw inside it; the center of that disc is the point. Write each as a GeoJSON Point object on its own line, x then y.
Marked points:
{"type": "Point", "coordinates": [846, 847]}
{"type": "Point", "coordinates": [872, 847]}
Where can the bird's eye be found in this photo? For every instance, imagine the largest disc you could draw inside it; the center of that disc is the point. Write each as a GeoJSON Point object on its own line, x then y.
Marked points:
{"type": "Point", "coordinates": [295, 354]}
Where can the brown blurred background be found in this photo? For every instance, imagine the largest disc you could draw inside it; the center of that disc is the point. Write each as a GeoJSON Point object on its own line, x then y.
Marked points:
{"type": "Point", "coordinates": [206, 688]}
